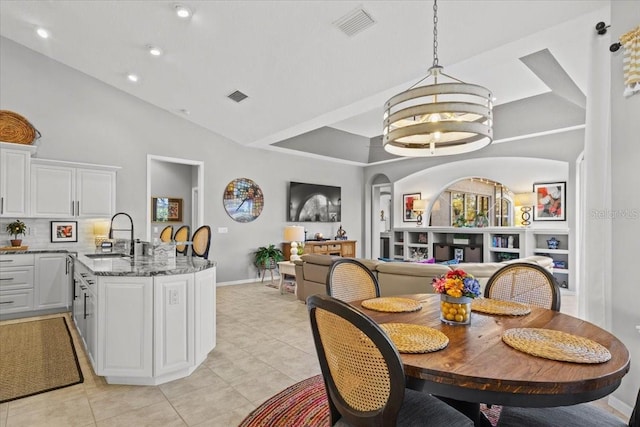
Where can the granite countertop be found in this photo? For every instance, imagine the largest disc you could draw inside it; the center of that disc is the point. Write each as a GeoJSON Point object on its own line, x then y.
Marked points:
{"type": "Point", "coordinates": [143, 265]}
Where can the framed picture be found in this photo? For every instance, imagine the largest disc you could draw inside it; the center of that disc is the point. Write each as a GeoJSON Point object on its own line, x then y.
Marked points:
{"type": "Point", "coordinates": [408, 215]}
{"type": "Point", "coordinates": [64, 231]}
{"type": "Point", "coordinates": [550, 201]}
{"type": "Point", "coordinates": [166, 209]}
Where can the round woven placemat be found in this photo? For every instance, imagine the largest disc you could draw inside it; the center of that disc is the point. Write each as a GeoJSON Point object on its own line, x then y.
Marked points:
{"type": "Point", "coordinates": [15, 128]}
{"type": "Point", "coordinates": [411, 338]}
{"type": "Point", "coordinates": [556, 345]}
{"type": "Point", "coordinates": [496, 306]}
{"type": "Point", "coordinates": [392, 304]}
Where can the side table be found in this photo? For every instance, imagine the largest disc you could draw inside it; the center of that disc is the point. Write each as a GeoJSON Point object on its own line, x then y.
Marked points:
{"type": "Point", "coordinates": [285, 267]}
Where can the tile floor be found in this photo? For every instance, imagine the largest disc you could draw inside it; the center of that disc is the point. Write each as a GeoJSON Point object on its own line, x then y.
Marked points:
{"type": "Point", "coordinates": [264, 345]}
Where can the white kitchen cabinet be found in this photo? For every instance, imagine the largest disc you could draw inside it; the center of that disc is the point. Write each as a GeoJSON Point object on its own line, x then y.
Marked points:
{"type": "Point", "coordinates": [67, 190]}
{"type": "Point", "coordinates": [52, 275]}
{"type": "Point", "coordinates": [205, 323]}
{"type": "Point", "coordinates": [173, 323]}
{"type": "Point", "coordinates": [16, 283]}
{"type": "Point", "coordinates": [125, 327]}
{"type": "Point", "coordinates": [14, 182]}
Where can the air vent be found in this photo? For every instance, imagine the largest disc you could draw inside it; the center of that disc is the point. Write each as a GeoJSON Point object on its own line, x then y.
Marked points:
{"type": "Point", "coordinates": [237, 96]}
{"type": "Point", "coordinates": [354, 22]}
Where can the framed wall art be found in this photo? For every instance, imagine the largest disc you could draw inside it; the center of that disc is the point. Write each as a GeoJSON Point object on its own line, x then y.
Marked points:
{"type": "Point", "coordinates": [64, 231]}
{"type": "Point", "coordinates": [550, 201]}
{"type": "Point", "coordinates": [408, 215]}
{"type": "Point", "coordinates": [243, 200]}
{"type": "Point", "coordinates": [166, 209]}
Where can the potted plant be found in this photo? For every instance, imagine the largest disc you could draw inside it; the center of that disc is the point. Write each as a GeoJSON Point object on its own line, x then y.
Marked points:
{"type": "Point", "coordinates": [16, 228]}
{"type": "Point", "coordinates": [267, 256]}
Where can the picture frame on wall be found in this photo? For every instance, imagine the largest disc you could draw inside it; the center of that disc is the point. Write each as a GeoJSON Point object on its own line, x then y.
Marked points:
{"type": "Point", "coordinates": [166, 209]}
{"type": "Point", "coordinates": [64, 231]}
{"type": "Point", "coordinates": [408, 215]}
{"type": "Point", "coordinates": [550, 201]}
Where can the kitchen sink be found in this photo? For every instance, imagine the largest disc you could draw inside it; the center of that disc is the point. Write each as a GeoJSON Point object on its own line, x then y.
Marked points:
{"type": "Point", "coordinates": [106, 255]}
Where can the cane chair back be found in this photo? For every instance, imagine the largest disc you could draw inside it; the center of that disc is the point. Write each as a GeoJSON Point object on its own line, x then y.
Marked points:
{"type": "Point", "coordinates": [166, 233]}
{"type": "Point", "coordinates": [363, 372]}
{"type": "Point", "coordinates": [350, 280]}
{"type": "Point", "coordinates": [182, 236]}
{"type": "Point", "coordinates": [201, 242]}
{"type": "Point", "coordinates": [524, 282]}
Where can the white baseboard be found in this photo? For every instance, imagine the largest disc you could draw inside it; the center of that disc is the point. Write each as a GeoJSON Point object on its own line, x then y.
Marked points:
{"type": "Point", "coordinates": [620, 406]}
{"type": "Point", "coordinates": [242, 282]}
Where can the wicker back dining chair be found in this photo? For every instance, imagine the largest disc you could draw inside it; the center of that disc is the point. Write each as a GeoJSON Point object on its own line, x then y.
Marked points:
{"type": "Point", "coordinates": [166, 233]}
{"type": "Point", "coordinates": [524, 282]}
{"type": "Point", "coordinates": [363, 373]}
{"type": "Point", "coordinates": [182, 235]}
{"type": "Point", "coordinates": [581, 415]}
{"type": "Point", "coordinates": [201, 242]}
{"type": "Point", "coordinates": [350, 280]}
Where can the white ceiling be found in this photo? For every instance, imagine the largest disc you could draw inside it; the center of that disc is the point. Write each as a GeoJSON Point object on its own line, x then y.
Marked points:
{"type": "Point", "coordinates": [301, 72]}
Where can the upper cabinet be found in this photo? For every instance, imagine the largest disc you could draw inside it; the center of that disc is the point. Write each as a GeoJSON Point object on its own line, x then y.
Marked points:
{"type": "Point", "coordinates": [66, 190]}
{"type": "Point", "coordinates": [14, 182]}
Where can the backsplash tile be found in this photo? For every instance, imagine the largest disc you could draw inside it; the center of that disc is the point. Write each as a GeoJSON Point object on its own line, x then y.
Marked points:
{"type": "Point", "coordinates": [39, 235]}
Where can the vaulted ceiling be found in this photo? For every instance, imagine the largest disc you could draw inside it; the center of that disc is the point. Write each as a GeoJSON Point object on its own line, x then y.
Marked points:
{"type": "Point", "coordinates": [312, 89]}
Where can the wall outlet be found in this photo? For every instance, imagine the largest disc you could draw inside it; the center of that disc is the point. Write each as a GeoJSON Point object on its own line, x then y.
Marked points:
{"type": "Point", "coordinates": [223, 230]}
{"type": "Point", "coordinates": [173, 297]}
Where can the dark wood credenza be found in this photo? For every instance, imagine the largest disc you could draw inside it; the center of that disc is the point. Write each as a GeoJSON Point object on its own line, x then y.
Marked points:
{"type": "Point", "coordinates": [344, 248]}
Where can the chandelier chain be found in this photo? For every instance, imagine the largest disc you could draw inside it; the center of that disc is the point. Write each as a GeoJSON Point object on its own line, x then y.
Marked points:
{"type": "Point", "coordinates": [435, 33]}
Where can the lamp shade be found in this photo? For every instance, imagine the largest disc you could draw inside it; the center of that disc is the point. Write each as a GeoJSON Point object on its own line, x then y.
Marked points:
{"type": "Point", "coordinates": [294, 233]}
{"type": "Point", "coordinates": [525, 199]}
{"type": "Point", "coordinates": [420, 205]}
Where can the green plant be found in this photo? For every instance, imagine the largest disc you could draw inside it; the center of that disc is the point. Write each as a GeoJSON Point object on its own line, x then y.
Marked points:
{"type": "Point", "coordinates": [16, 228]}
{"type": "Point", "coordinates": [266, 255]}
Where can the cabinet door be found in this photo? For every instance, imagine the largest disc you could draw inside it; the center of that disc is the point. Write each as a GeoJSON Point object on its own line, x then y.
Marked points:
{"type": "Point", "coordinates": [52, 284]}
{"type": "Point", "coordinates": [52, 191]}
{"type": "Point", "coordinates": [205, 313]}
{"type": "Point", "coordinates": [173, 323]}
{"type": "Point", "coordinates": [90, 325]}
{"type": "Point", "coordinates": [14, 183]}
{"type": "Point", "coordinates": [125, 326]}
{"type": "Point", "coordinates": [95, 193]}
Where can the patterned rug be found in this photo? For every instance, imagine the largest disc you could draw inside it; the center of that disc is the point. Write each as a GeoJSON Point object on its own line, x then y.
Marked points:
{"type": "Point", "coordinates": [305, 404]}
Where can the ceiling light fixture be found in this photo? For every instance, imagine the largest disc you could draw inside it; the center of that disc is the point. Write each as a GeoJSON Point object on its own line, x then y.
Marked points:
{"type": "Point", "coordinates": [43, 33]}
{"type": "Point", "coordinates": [438, 119]}
{"type": "Point", "coordinates": [154, 50]}
{"type": "Point", "coordinates": [182, 11]}
{"type": "Point", "coordinates": [133, 78]}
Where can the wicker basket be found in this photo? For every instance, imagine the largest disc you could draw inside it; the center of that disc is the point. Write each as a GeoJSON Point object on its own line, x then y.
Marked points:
{"type": "Point", "coordinates": [15, 128]}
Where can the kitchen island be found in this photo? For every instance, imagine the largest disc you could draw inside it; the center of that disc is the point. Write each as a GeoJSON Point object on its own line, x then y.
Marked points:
{"type": "Point", "coordinates": [145, 321]}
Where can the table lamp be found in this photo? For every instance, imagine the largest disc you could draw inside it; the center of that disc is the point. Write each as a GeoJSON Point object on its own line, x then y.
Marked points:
{"type": "Point", "coordinates": [525, 201]}
{"type": "Point", "coordinates": [419, 206]}
{"type": "Point", "coordinates": [294, 234]}
{"type": "Point", "coordinates": [100, 231]}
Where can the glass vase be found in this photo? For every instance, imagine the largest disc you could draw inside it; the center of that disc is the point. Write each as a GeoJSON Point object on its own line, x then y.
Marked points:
{"type": "Point", "coordinates": [455, 311]}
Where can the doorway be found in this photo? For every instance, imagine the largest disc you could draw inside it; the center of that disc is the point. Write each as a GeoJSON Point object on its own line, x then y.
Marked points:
{"type": "Point", "coordinates": [193, 170]}
{"type": "Point", "coordinates": [380, 220]}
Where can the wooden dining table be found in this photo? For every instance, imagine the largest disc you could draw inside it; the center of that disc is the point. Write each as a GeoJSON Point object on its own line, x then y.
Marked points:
{"type": "Point", "coordinates": [478, 367]}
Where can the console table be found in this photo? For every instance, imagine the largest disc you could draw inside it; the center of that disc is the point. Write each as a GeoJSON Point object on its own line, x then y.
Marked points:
{"type": "Point", "coordinates": [344, 248]}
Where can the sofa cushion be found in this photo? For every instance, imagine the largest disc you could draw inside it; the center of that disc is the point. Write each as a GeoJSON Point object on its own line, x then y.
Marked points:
{"type": "Point", "coordinates": [412, 269]}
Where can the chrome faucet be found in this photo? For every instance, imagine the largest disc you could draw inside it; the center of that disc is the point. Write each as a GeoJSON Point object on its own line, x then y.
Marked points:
{"type": "Point", "coordinates": [130, 230]}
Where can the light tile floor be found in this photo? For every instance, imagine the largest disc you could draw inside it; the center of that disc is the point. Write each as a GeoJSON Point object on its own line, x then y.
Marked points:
{"type": "Point", "coordinates": [264, 344]}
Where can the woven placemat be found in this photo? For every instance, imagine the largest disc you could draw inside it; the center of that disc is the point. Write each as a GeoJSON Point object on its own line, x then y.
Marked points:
{"type": "Point", "coordinates": [392, 304]}
{"type": "Point", "coordinates": [496, 306]}
{"type": "Point", "coordinates": [411, 338]}
{"type": "Point", "coordinates": [556, 345]}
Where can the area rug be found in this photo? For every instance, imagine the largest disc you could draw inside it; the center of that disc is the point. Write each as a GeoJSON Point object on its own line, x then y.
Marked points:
{"type": "Point", "coordinates": [36, 357]}
{"type": "Point", "coordinates": [305, 404]}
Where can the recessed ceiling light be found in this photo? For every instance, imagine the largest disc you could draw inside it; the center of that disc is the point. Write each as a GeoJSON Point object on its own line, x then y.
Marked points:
{"type": "Point", "coordinates": [43, 33]}
{"type": "Point", "coordinates": [182, 11]}
{"type": "Point", "coordinates": [154, 50]}
{"type": "Point", "coordinates": [133, 77]}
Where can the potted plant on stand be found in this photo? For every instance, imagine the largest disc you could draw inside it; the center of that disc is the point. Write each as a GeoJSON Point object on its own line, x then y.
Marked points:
{"type": "Point", "coordinates": [16, 228]}
{"type": "Point", "coordinates": [266, 257]}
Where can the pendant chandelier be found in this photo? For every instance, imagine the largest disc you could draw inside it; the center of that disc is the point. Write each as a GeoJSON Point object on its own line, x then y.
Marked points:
{"type": "Point", "coordinates": [443, 118]}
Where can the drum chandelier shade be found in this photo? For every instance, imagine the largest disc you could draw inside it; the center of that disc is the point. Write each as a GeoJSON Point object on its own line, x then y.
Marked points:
{"type": "Point", "coordinates": [443, 118]}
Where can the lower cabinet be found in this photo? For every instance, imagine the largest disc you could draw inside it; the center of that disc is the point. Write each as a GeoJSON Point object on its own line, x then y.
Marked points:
{"type": "Point", "coordinates": [147, 330]}
{"type": "Point", "coordinates": [52, 276]}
